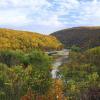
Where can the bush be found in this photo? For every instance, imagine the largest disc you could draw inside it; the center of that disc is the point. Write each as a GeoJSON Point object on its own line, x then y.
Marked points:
{"type": "Point", "coordinates": [40, 76]}
{"type": "Point", "coordinates": [93, 56]}
{"type": "Point", "coordinates": [75, 48]}
{"type": "Point", "coordinates": [81, 75]}
{"type": "Point", "coordinates": [18, 80]}
{"type": "Point", "coordinates": [10, 58]}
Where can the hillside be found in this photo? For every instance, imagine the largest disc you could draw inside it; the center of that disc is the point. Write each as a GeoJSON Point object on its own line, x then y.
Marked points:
{"type": "Point", "coordinates": [13, 39]}
{"type": "Point", "coordinates": [83, 37]}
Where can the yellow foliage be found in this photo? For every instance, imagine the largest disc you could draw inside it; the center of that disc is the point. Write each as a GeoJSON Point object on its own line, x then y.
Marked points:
{"type": "Point", "coordinates": [13, 39]}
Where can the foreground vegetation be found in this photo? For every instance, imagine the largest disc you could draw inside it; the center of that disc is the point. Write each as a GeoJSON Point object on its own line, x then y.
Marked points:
{"type": "Point", "coordinates": [22, 74]}
{"type": "Point", "coordinates": [27, 76]}
{"type": "Point", "coordinates": [81, 75]}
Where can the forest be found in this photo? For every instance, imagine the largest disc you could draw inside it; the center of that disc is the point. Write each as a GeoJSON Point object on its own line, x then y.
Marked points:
{"type": "Point", "coordinates": [83, 36]}
{"type": "Point", "coordinates": [23, 40]}
{"type": "Point", "coordinates": [25, 69]}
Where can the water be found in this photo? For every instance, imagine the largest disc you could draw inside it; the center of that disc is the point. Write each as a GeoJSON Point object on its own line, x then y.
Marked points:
{"type": "Point", "coordinates": [58, 62]}
{"type": "Point", "coordinates": [55, 69]}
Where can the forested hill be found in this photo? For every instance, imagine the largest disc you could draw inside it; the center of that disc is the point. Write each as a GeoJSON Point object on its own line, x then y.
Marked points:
{"type": "Point", "coordinates": [80, 36]}
{"type": "Point", "coordinates": [14, 39]}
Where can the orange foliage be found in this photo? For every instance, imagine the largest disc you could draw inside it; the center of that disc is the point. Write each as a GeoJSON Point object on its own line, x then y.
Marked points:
{"type": "Point", "coordinates": [55, 93]}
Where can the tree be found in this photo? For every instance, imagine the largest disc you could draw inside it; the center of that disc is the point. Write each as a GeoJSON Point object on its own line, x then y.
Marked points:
{"type": "Point", "coordinates": [75, 48]}
{"type": "Point", "coordinates": [25, 41]}
{"type": "Point", "coordinates": [40, 76]}
{"type": "Point", "coordinates": [81, 75]}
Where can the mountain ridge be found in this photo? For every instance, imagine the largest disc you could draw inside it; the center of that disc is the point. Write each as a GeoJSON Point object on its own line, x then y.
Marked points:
{"type": "Point", "coordinates": [84, 36]}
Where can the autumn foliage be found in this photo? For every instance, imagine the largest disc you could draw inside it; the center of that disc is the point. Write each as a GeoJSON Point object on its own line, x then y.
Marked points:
{"type": "Point", "coordinates": [13, 39]}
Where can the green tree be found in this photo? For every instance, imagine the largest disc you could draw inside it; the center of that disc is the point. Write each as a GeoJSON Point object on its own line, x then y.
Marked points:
{"type": "Point", "coordinates": [16, 80]}
{"type": "Point", "coordinates": [40, 76]}
{"type": "Point", "coordinates": [75, 48]}
{"type": "Point", "coordinates": [81, 75]}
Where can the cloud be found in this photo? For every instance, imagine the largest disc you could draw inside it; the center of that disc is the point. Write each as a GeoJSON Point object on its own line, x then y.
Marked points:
{"type": "Point", "coordinates": [23, 3]}
{"type": "Point", "coordinates": [89, 13]}
{"type": "Point", "coordinates": [54, 14]}
{"type": "Point", "coordinates": [13, 17]}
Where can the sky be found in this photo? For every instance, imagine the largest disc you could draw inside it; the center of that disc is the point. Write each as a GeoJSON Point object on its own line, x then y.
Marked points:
{"type": "Point", "coordinates": [47, 16]}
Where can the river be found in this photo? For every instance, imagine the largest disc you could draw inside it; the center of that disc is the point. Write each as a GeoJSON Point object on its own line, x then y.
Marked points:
{"type": "Point", "coordinates": [58, 62]}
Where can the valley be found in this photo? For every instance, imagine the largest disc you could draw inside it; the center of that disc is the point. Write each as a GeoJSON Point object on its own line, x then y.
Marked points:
{"type": "Point", "coordinates": [62, 66]}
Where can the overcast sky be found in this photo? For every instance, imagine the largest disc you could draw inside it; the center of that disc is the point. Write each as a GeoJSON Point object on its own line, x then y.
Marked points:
{"type": "Point", "coordinates": [46, 16]}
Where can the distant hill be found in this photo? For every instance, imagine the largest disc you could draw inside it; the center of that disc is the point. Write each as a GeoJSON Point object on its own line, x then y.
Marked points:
{"type": "Point", "coordinates": [83, 37]}
{"type": "Point", "coordinates": [14, 39]}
